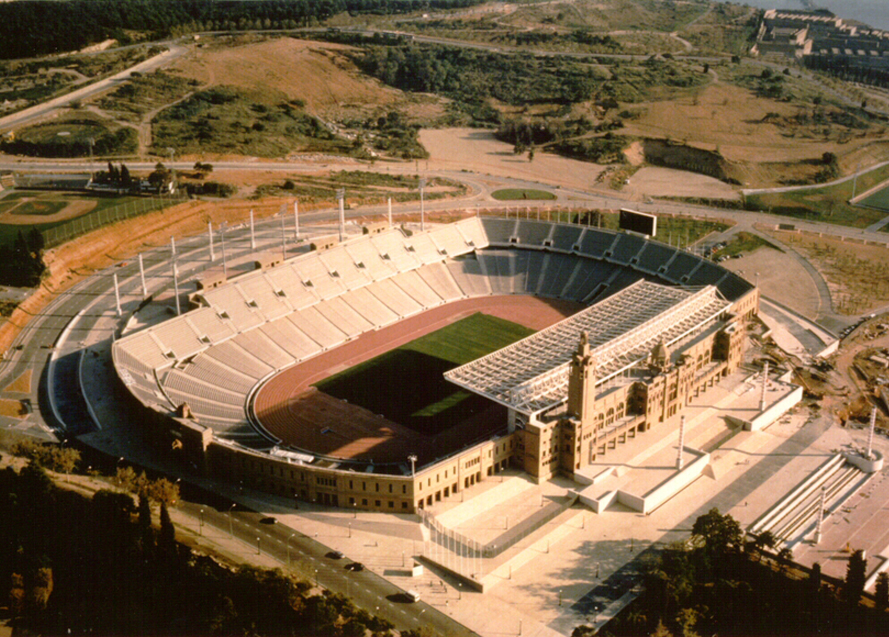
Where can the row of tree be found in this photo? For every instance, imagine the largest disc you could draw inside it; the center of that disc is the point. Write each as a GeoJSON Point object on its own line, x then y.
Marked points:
{"type": "Point", "coordinates": [719, 582]}
{"type": "Point", "coordinates": [21, 263]}
{"type": "Point", "coordinates": [111, 565]}
{"type": "Point", "coordinates": [45, 26]}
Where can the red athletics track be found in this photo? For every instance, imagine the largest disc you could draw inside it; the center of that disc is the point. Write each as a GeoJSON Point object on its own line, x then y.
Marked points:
{"type": "Point", "coordinates": [292, 410]}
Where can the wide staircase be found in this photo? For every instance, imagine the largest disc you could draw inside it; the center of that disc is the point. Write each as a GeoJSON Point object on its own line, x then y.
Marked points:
{"type": "Point", "coordinates": [794, 516]}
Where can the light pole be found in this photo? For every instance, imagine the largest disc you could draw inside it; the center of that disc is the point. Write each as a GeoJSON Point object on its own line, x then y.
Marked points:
{"type": "Point", "coordinates": [350, 530]}
{"type": "Point", "coordinates": [231, 528]}
{"type": "Point", "coordinates": [201, 528]}
{"type": "Point", "coordinates": [289, 540]}
{"type": "Point", "coordinates": [422, 206]}
{"type": "Point", "coordinates": [459, 591]}
{"type": "Point", "coordinates": [560, 597]}
{"type": "Point", "coordinates": [258, 545]}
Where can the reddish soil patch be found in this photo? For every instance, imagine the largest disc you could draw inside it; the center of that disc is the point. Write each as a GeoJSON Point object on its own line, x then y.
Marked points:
{"type": "Point", "coordinates": [305, 418]}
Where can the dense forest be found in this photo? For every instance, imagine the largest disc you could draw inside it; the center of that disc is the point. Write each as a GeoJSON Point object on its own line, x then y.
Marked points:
{"type": "Point", "coordinates": [111, 565]}
{"type": "Point", "coordinates": [41, 27]}
{"type": "Point", "coordinates": [21, 264]}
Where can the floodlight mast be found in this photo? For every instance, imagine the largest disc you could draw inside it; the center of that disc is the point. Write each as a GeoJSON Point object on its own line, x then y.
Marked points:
{"type": "Point", "coordinates": [340, 197]}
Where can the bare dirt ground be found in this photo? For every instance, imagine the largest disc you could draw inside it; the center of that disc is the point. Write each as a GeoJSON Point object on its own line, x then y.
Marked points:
{"type": "Point", "coordinates": [667, 182]}
{"type": "Point", "coordinates": [72, 210]}
{"type": "Point", "coordinates": [856, 274]}
{"type": "Point", "coordinates": [290, 409]}
{"type": "Point", "coordinates": [476, 150]}
{"type": "Point", "coordinates": [747, 129]}
{"type": "Point", "coordinates": [780, 277]}
{"type": "Point", "coordinates": [321, 74]}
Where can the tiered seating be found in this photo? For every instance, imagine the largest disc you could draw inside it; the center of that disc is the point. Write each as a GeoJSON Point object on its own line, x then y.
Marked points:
{"type": "Point", "coordinates": [565, 237]}
{"type": "Point", "coordinates": [315, 275]}
{"type": "Point", "coordinates": [519, 265]}
{"type": "Point", "coordinates": [287, 280]}
{"type": "Point", "coordinates": [626, 248]}
{"type": "Point", "coordinates": [733, 287]}
{"type": "Point", "coordinates": [138, 371]}
{"type": "Point", "coordinates": [178, 337]}
{"type": "Point", "coordinates": [681, 265]}
{"type": "Point", "coordinates": [346, 319]}
{"type": "Point", "coordinates": [219, 374]}
{"type": "Point", "coordinates": [595, 242]}
{"type": "Point", "coordinates": [417, 289]}
{"type": "Point", "coordinates": [259, 289]}
{"type": "Point", "coordinates": [499, 231]}
{"type": "Point", "coordinates": [395, 298]}
{"type": "Point", "coordinates": [422, 246]}
{"type": "Point", "coordinates": [265, 349]}
{"type": "Point", "coordinates": [370, 307]}
{"type": "Point", "coordinates": [188, 386]}
{"type": "Point", "coordinates": [621, 278]}
{"type": "Point", "coordinates": [468, 275]}
{"type": "Point", "coordinates": [341, 266]}
{"type": "Point", "coordinates": [285, 334]}
{"type": "Point", "coordinates": [230, 303]}
{"type": "Point", "coordinates": [236, 357]}
{"type": "Point", "coordinates": [391, 247]}
{"type": "Point", "coordinates": [654, 256]}
{"type": "Point", "coordinates": [559, 270]}
{"type": "Point", "coordinates": [146, 350]}
{"type": "Point", "coordinates": [317, 328]}
{"type": "Point", "coordinates": [493, 264]}
{"type": "Point", "coordinates": [532, 234]}
{"type": "Point", "coordinates": [473, 232]}
{"type": "Point", "coordinates": [593, 274]}
{"type": "Point", "coordinates": [706, 273]}
{"type": "Point", "coordinates": [448, 239]}
{"type": "Point", "coordinates": [536, 267]}
{"type": "Point", "coordinates": [207, 324]}
{"type": "Point", "coordinates": [437, 276]}
{"type": "Point", "coordinates": [365, 254]}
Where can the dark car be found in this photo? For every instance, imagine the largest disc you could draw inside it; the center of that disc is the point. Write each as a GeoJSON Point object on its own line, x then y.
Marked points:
{"type": "Point", "coordinates": [335, 555]}
{"type": "Point", "coordinates": [355, 566]}
{"type": "Point", "coordinates": [269, 520]}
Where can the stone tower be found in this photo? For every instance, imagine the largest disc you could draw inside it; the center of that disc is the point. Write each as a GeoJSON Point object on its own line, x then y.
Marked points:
{"type": "Point", "coordinates": [582, 382]}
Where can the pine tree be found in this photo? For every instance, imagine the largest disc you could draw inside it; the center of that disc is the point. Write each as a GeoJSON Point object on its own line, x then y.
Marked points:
{"type": "Point", "coordinates": [881, 592]}
{"type": "Point", "coordinates": [166, 541]}
{"type": "Point", "coordinates": [856, 574]}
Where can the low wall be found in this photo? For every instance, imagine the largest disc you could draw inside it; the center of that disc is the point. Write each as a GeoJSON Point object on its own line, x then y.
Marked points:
{"type": "Point", "coordinates": [677, 482]}
{"type": "Point", "coordinates": [865, 464]}
{"type": "Point", "coordinates": [775, 410]}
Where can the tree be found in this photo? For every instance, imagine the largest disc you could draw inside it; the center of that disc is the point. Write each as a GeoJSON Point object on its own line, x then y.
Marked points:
{"type": "Point", "coordinates": [166, 541]}
{"type": "Point", "coordinates": [881, 592]}
{"type": "Point", "coordinates": [531, 153]}
{"type": "Point", "coordinates": [814, 583]}
{"type": "Point", "coordinates": [764, 540]}
{"type": "Point", "coordinates": [717, 532]}
{"type": "Point", "coordinates": [40, 590]}
{"type": "Point", "coordinates": [856, 575]}
{"type": "Point", "coordinates": [146, 534]}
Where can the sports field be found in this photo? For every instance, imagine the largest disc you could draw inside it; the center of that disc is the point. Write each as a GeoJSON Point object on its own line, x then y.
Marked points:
{"type": "Point", "coordinates": [878, 200]}
{"type": "Point", "coordinates": [406, 384]}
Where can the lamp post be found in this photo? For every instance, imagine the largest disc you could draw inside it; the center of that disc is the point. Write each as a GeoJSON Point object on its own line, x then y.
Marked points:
{"type": "Point", "coordinates": [422, 206]}
{"type": "Point", "coordinates": [560, 597]}
{"type": "Point", "coordinates": [289, 540]}
{"type": "Point", "coordinates": [201, 528]}
{"type": "Point", "coordinates": [258, 545]}
{"type": "Point", "coordinates": [231, 528]}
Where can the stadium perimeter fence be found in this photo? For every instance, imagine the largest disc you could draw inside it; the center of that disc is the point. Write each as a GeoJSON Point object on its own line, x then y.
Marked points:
{"type": "Point", "coordinates": [94, 220]}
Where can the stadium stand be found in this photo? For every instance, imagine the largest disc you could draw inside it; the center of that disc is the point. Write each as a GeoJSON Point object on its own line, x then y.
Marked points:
{"type": "Point", "coordinates": [213, 372]}
{"type": "Point", "coordinates": [370, 307]}
{"type": "Point", "coordinates": [422, 247]}
{"type": "Point", "coordinates": [346, 319]}
{"type": "Point", "coordinates": [316, 276]}
{"type": "Point", "coordinates": [468, 275]}
{"type": "Point", "coordinates": [366, 257]}
{"type": "Point", "coordinates": [564, 237]}
{"type": "Point", "coordinates": [391, 247]}
{"type": "Point", "coordinates": [449, 241]}
{"type": "Point", "coordinates": [415, 287]}
{"type": "Point", "coordinates": [682, 264]}
{"type": "Point", "coordinates": [208, 325]}
{"type": "Point", "coordinates": [533, 234]}
{"type": "Point", "coordinates": [265, 349]}
{"type": "Point", "coordinates": [341, 266]}
{"type": "Point", "coordinates": [317, 328]}
{"type": "Point", "coordinates": [260, 292]}
{"type": "Point", "coordinates": [437, 276]}
{"type": "Point", "coordinates": [654, 256]}
{"type": "Point", "coordinates": [285, 279]}
{"type": "Point", "coordinates": [294, 341]}
{"type": "Point", "coordinates": [520, 260]}
{"type": "Point", "coordinates": [231, 304]}
{"type": "Point", "coordinates": [596, 242]}
{"type": "Point", "coordinates": [473, 232]}
{"type": "Point", "coordinates": [625, 249]}
{"type": "Point", "coordinates": [536, 271]}
{"type": "Point", "coordinates": [237, 358]}
{"type": "Point", "coordinates": [396, 299]}
{"type": "Point", "coordinates": [499, 231]}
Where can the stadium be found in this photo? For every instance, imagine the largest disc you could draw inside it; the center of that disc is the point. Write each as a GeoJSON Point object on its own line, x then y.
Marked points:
{"type": "Point", "coordinates": [396, 369]}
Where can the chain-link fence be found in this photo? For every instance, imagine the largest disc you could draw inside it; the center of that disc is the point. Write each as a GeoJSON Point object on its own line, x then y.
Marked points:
{"type": "Point", "coordinates": [96, 219]}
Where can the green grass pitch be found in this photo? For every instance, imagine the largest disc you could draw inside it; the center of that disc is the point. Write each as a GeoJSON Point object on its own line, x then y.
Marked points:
{"type": "Point", "coordinates": [406, 384]}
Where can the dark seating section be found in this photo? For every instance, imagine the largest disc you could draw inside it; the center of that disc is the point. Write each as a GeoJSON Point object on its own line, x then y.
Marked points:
{"type": "Point", "coordinates": [732, 286]}
{"type": "Point", "coordinates": [654, 256]}
{"type": "Point", "coordinates": [536, 270]}
{"type": "Point", "coordinates": [626, 248]}
{"type": "Point", "coordinates": [499, 231]}
{"type": "Point", "coordinates": [565, 237]}
{"type": "Point", "coordinates": [595, 242]}
{"type": "Point", "coordinates": [680, 266]}
{"type": "Point", "coordinates": [532, 234]}
{"type": "Point", "coordinates": [707, 273]}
